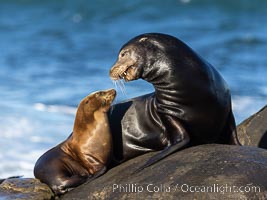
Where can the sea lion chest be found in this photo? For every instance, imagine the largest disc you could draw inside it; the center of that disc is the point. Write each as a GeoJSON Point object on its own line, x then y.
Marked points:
{"type": "Point", "coordinates": [142, 126]}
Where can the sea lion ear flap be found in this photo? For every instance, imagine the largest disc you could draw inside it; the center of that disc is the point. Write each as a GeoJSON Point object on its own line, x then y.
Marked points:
{"type": "Point", "coordinates": [151, 42]}
{"type": "Point", "coordinates": [143, 39]}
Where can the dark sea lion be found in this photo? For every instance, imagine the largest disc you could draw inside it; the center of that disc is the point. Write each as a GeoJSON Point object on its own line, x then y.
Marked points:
{"type": "Point", "coordinates": [191, 104]}
{"type": "Point", "coordinates": [86, 153]}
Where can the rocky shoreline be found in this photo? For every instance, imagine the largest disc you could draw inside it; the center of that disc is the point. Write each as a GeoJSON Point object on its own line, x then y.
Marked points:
{"type": "Point", "coordinates": [203, 172]}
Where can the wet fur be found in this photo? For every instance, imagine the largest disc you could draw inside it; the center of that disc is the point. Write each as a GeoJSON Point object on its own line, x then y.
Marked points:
{"type": "Point", "coordinates": [84, 155]}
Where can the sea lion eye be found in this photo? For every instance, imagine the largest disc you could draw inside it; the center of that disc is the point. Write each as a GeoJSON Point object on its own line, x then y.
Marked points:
{"type": "Point", "coordinates": [124, 53]}
{"type": "Point", "coordinates": [87, 102]}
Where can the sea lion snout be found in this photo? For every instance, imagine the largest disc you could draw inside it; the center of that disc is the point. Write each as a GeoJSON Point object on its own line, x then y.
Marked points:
{"type": "Point", "coordinates": [109, 95]}
{"type": "Point", "coordinates": [120, 70]}
{"type": "Point", "coordinates": [111, 91]}
{"type": "Point", "coordinates": [126, 66]}
{"type": "Point", "coordinates": [106, 97]}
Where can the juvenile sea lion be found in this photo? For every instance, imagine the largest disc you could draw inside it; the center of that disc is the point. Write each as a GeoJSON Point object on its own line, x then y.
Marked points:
{"type": "Point", "coordinates": [86, 153]}
{"type": "Point", "coordinates": [191, 104]}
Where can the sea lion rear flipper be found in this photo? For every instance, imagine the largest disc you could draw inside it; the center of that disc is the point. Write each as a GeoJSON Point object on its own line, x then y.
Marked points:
{"type": "Point", "coordinates": [228, 134]}
{"type": "Point", "coordinates": [179, 139]}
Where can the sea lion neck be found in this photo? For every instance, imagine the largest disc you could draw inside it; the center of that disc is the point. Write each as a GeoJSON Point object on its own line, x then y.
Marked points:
{"type": "Point", "coordinates": [167, 96]}
{"type": "Point", "coordinates": [173, 75]}
{"type": "Point", "coordinates": [85, 124]}
{"type": "Point", "coordinates": [169, 93]}
{"type": "Point", "coordinates": [81, 122]}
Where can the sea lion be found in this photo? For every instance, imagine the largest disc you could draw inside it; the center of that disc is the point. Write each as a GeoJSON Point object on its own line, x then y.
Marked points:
{"type": "Point", "coordinates": [84, 155]}
{"type": "Point", "coordinates": [191, 104]}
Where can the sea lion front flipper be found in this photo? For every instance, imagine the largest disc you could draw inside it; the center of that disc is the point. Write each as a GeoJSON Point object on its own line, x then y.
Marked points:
{"type": "Point", "coordinates": [96, 175]}
{"type": "Point", "coordinates": [179, 139]}
{"type": "Point", "coordinates": [72, 182]}
{"type": "Point", "coordinates": [162, 154]}
{"type": "Point", "coordinates": [68, 183]}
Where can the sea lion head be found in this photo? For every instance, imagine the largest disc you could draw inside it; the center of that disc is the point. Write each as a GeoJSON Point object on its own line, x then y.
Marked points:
{"type": "Point", "coordinates": [97, 101]}
{"type": "Point", "coordinates": [137, 57]}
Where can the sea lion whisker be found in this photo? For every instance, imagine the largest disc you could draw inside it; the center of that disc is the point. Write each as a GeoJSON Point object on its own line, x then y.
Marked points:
{"type": "Point", "coordinates": [115, 84]}
{"type": "Point", "coordinates": [122, 86]}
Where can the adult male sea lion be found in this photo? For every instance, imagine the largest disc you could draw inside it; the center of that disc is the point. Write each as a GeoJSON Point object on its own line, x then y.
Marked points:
{"type": "Point", "coordinates": [191, 104]}
{"type": "Point", "coordinates": [85, 154]}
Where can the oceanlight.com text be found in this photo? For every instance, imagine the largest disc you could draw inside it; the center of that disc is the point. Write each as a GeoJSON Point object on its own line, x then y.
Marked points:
{"type": "Point", "coordinates": [185, 188]}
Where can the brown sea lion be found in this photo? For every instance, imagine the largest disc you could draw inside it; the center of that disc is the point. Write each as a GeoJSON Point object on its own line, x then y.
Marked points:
{"type": "Point", "coordinates": [86, 153]}
{"type": "Point", "coordinates": [191, 104]}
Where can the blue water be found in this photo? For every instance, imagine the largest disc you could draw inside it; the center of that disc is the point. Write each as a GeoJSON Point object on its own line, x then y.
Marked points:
{"type": "Point", "coordinates": [53, 53]}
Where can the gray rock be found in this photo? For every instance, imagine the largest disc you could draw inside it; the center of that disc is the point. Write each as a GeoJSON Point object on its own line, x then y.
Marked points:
{"type": "Point", "coordinates": [210, 171]}
{"type": "Point", "coordinates": [253, 131]}
{"type": "Point", "coordinates": [24, 188]}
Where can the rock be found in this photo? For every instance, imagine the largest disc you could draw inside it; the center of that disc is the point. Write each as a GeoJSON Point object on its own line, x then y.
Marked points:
{"type": "Point", "coordinates": [253, 131]}
{"type": "Point", "coordinates": [24, 188]}
{"type": "Point", "coordinates": [203, 172]}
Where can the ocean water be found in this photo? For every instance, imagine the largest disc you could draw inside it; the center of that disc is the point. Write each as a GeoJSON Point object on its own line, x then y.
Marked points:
{"type": "Point", "coordinates": [54, 53]}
